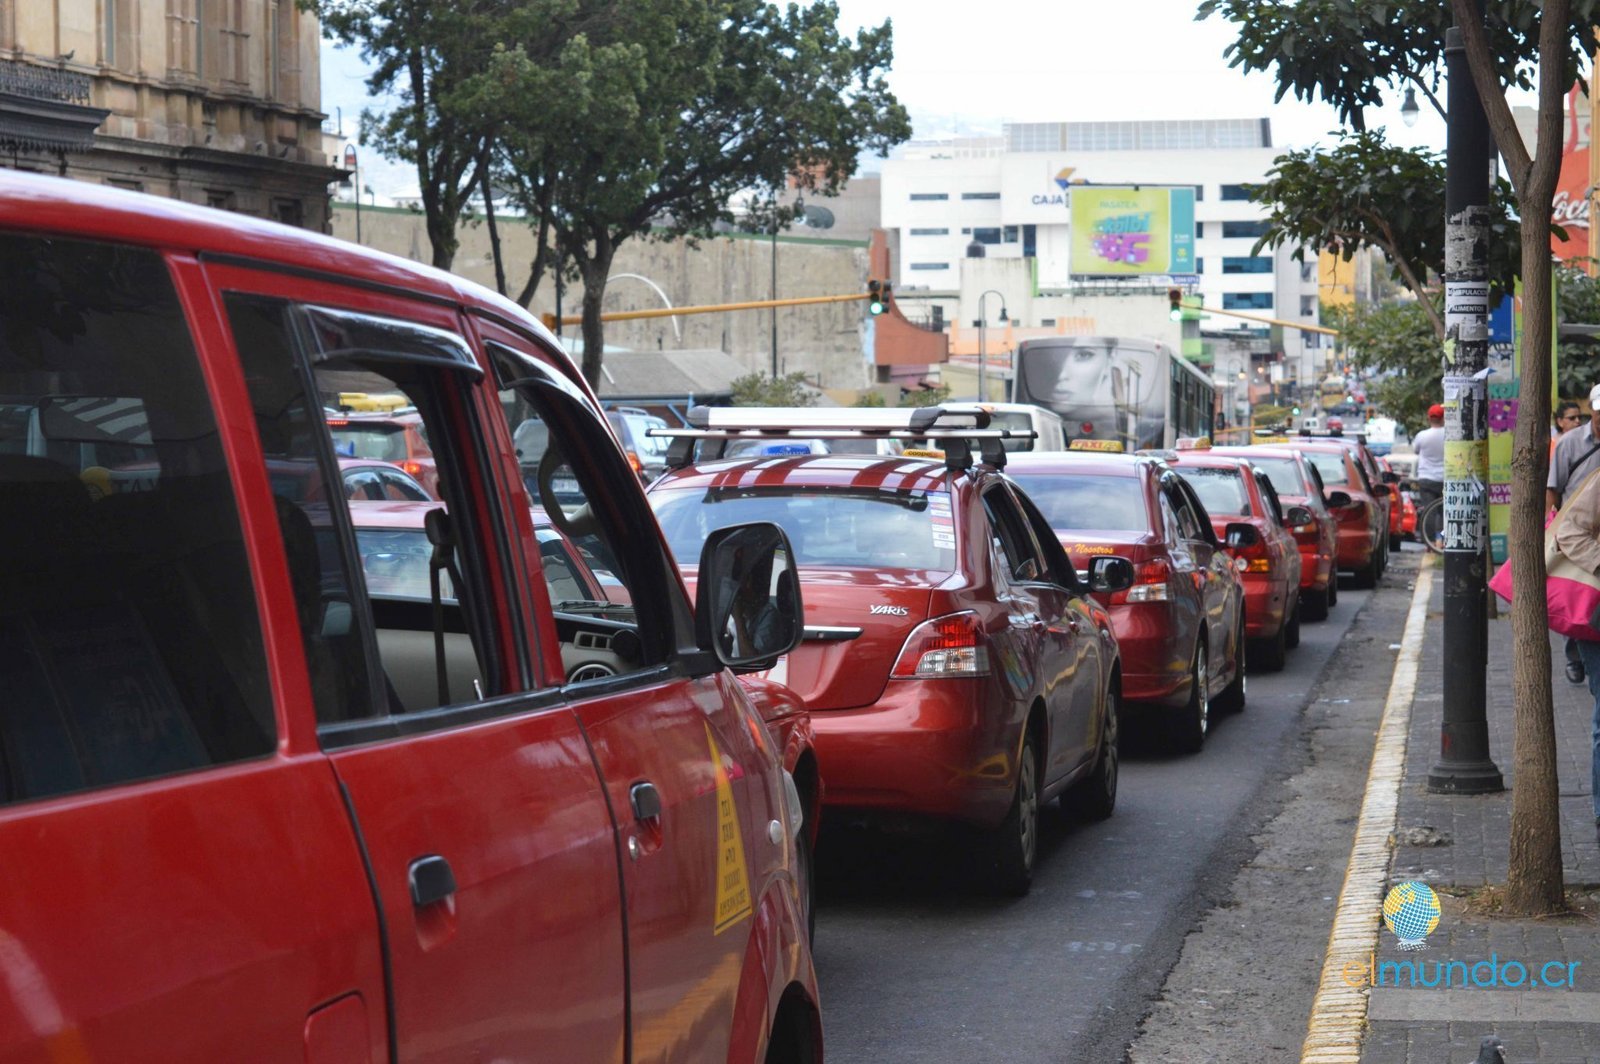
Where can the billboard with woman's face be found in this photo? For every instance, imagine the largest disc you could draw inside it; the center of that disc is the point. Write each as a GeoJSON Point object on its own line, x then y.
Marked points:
{"type": "Point", "coordinates": [1104, 387]}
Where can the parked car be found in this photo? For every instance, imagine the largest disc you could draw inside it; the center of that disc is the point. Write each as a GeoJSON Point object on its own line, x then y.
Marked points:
{"type": "Point", "coordinates": [399, 437]}
{"type": "Point", "coordinates": [300, 819]}
{"type": "Point", "coordinates": [955, 666]}
{"type": "Point", "coordinates": [1252, 525]}
{"type": "Point", "coordinates": [647, 454]}
{"type": "Point", "coordinates": [1297, 483]}
{"type": "Point", "coordinates": [1181, 625]}
{"type": "Point", "coordinates": [1354, 501]}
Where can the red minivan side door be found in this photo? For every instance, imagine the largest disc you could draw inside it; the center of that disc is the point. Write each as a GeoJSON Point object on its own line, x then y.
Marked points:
{"type": "Point", "coordinates": [181, 881]}
{"type": "Point", "coordinates": [692, 779]}
{"type": "Point", "coordinates": [472, 789]}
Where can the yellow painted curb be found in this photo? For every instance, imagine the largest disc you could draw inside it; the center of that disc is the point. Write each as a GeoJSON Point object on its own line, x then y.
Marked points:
{"type": "Point", "coordinates": [1339, 1012]}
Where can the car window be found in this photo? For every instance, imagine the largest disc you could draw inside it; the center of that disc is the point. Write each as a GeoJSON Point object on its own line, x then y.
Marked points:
{"type": "Point", "coordinates": [364, 575]}
{"type": "Point", "coordinates": [1171, 532]}
{"type": "Point", "coordinates": [1188, 522]}
{"type": "Point", "coordinates": [1196, 512]}
{"type": "Point", "coordinates": [1221, 491]}
{"type": "Point", "coordinates": [1284, 474]}
{"type": "Point", "coordinates": [399, 488]}
{"type": "Point", "coordinates": [362, 484]}
{"type": "Point", "coordinates": [1011, 536]}
{"type": "Point", "coordinates": [1074, 501]}
{"type": "Point", "coordinates": [129, 644]}
{"type": "Point", "coordinates": [1331, 467]}
{"type": "Point", "coordinates": [382, 441]}
{"type": "Point", "coordinates": [1270, 494]}
{"type": "Point", "coordinates": [858, 528]}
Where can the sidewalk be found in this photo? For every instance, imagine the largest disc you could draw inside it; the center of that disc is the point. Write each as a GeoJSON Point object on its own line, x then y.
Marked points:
{"type": "Point", "coordinates": [1458, 845]}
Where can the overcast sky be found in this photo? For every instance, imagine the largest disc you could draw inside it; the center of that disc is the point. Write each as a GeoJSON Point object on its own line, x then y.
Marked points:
{"type": "Point", "coordinates": [970, 67]}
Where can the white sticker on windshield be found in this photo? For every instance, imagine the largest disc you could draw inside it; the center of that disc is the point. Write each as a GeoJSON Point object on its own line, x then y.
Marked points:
{"type": "Point", "coordinates": [940, 521]}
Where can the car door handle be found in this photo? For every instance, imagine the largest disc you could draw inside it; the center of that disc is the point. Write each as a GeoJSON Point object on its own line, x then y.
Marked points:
{"type": "Point", "coordinates": [431, 880]}
{"type": "Point", "coordinates": [646, 800]}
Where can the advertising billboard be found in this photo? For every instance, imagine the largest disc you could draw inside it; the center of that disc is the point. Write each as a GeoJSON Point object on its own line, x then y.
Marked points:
{"type": "Point", "coordinates": [1127, 231]}
{"type": "Point", "coordinates": [1135, 392]}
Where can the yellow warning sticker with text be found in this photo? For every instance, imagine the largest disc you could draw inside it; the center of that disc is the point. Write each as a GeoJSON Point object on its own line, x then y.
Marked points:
{"type": "Point", "coordinates": [733, 879]}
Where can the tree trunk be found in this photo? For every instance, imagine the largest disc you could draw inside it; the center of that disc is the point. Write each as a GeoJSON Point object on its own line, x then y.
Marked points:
{"type": "Point", "coordinates": [442, 236]}
{"type": "Point", "coordinates": [1534, 882]}
{"type": "Point", "coordinates": [596, 271]}
{"type": "Point", "coordinates": [494, 231]}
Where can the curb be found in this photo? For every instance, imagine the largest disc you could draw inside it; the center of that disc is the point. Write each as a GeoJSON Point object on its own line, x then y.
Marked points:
{"type": "Point", "coordinates": [1339, 1011]}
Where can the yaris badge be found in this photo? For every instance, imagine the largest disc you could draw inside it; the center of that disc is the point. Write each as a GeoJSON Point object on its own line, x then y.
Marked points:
{"type": "Point", "coordinates": [890, 611]}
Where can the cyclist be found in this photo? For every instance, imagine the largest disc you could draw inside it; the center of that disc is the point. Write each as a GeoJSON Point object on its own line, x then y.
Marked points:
{"type": "Point", "coordinates": [1429, 445]}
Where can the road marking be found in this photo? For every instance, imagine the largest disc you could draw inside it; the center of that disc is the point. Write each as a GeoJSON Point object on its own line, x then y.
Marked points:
{"type": "Point", "coordinates": [1339, 1012]}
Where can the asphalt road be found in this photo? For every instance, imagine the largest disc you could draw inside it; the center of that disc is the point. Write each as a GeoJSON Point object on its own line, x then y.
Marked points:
{"type": "Point", "coordinates": [917, 964]}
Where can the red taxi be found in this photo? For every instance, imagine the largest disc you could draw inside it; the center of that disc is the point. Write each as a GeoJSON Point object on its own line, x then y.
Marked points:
{"type": "Point", "coordinates": [1248, 517]}
{"type": "Point", "coordinates": [1181, 625]}
{"type": "Point", "coordinates": [1294, 479]}
{"type": "Point", "coordinates": [1402, 508]}
{"type": "Point", "coordinates": [397, 437]}
{"type": "Point", "coordinates": [255, 809]}
{"type": "Point", "coordinates": [955, 665]}
{"type": "Point", "coordinates": [1362, 517]}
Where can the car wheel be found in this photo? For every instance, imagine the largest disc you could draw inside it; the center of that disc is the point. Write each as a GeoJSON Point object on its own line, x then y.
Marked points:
{"type": "Point", "coordinates": [1314, 604]}
{"type": "Point", "coordinates": [1395, 542]}
{"type": "Point", "coordinates": [806, 869]}
{"type": "Point", "coordinates": [1016, 842]}
{"type": "Point", "coordinates": [1232, 698]}
{"type": "Point", "coordinates": [1291, 638]}
{"type": "Point", "coordinates": [1333, 589]}
{"type": "Point", "coordinates": [1367, 575]}
{"type": "Point", "coordinates": [1194, 719]}
{"type": "Point", "coordinates": [1269, 655]}
{"type": "Point", "coordinates": [1095, 796]}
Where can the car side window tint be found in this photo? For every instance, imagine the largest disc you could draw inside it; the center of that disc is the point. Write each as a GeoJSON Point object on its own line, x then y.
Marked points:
{"type": "Point", "coordinates": [1057, 566]}
{"type": "Point", "coordinates": [1022, 560]}
{"type": "Point", "coordinates": [1274, 506]}
{"type": "Point", "coordinates": [1188, 522]}
{"type": "Point", "coordinates": [614, 615]}
{"type": "Point", "coordinates": [1171, 531]}
{"type": "Point", "coordinates": [130, 646]}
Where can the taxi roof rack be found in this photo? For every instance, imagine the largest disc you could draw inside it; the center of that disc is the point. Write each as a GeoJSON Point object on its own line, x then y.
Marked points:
{"type": "Point", "coordinates": [956, 425]}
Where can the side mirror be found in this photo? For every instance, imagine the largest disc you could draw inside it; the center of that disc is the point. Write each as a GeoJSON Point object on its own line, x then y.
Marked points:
{"type": "Point", "coordinates": [1241, 534]}
{"type": "Point", "coordinates": [747, 606]}
{"type": "Point", "coordinates": [1337, 499]}
{"type": "Point", "coordinates": [1108, 573]}
{"type": "Point", "coordinates": [1298, 517]}
{"type": "Point", "coordinates": [1391, 477]}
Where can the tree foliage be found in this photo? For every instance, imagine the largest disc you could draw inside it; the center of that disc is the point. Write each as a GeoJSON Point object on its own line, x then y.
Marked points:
{"type": "Point", "coordinates": [1395, 342]}
{"type": "Point", "coordinates": [757, 389]}
{"type": "Point", "coordinates": [1368, 193]}
{"type": "Point", "coordinates": [1578, 303]}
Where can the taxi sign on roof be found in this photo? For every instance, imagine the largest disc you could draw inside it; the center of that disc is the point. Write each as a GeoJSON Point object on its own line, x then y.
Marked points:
{"type": "Point", "coordinates": [1270, 439]}
{"type": "Point", "coordinates": [1194, 443]}
{"type": "Point", "coordinates": [1112, 446]}
{"type": "Point", "coordinates": [921, 452]}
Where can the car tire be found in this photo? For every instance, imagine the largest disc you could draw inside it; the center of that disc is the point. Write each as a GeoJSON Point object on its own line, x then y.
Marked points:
{"type": "Point", "coordinates": [1194, 719]}
{"type": "Point", "coordinates": [1367, 575]}
{"type": "Point", "coordinates": [1314, 604]}
{"type": "Point", "coordinates": [1291, 635]}
{"type": "Point", "coordinates": [1095, 796]}
{"type": "Point", "coordinates": [1395, 542]}
{"type": "Point", "coordinates": [1333, 588]}
{"type": "Point", "coordinates": [806, 868]}
{"type": "Point", "coordinates": [1232, 698]}
{"type": "Point", "coordinates": [1269, 655]}
{"type": "Point", "coordinates": [1015, 845]}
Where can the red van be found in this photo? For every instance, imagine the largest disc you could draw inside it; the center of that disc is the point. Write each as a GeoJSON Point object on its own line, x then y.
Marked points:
{"type": "Point", "coordinates": [256, 807]}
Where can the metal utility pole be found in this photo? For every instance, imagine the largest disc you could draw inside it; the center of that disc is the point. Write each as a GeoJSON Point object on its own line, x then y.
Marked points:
{"type": "Point", "coordinates": [1464, 765]}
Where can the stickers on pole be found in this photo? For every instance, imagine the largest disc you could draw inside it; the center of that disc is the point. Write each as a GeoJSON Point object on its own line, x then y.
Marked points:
{"type": "Point", "coordinates": [1466, 463]}
{"type": "Point", "coordinates": [1465, 303]}
{"type": "Point", "coordinates": [733, 878]}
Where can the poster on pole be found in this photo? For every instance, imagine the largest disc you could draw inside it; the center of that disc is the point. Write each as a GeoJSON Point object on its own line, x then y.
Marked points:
{"type": "Point", "coordinates": [1133, 230]}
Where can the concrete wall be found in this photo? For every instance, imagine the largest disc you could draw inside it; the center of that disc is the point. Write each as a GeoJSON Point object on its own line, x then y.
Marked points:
{"type": "Point", "coordinates": [825, 342]}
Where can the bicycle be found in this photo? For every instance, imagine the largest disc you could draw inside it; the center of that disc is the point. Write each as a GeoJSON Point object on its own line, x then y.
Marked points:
{"type": "Point", "coordinates": [1430, 525]}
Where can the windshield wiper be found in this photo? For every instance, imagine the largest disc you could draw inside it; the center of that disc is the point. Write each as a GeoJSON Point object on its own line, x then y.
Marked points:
{"type": "Point", "coordinates": [590, 606]}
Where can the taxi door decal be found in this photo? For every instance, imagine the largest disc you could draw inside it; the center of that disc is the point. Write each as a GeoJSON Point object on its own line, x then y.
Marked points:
{"type": "Point", "coordinates": [733, 879]}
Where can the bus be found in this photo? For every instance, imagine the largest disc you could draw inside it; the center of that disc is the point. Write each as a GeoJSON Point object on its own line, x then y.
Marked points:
{"type": "Point", "coordinates": [1139, 393]}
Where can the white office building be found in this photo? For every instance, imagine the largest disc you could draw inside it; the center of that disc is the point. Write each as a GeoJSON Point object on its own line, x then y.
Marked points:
{"type": "Point", "coordinates": [1010, 194]}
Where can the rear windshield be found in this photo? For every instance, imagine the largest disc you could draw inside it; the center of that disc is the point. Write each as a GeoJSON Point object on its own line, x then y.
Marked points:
{"type": "Point", "coordinates": [386, 443]}
{"type": "Point", "coordinates": [1331, 466]}
{"type": "Point", "coordinates": [1102, 502]}
{"type": "Point", "coordinates": [1284, 474]}
{"type": "Point", "coordinates": [1013, 419]}
{"type": "Point", "coordinates": [1221, 491]}
{"type": "Point", "coordinates": [872, 529]}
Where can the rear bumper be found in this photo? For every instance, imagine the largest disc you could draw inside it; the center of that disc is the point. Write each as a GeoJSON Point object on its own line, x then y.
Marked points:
{"type": "Point", "coordinates": [1265, 605]}
{"type": "Point", "coordinates": [1155, 655]}
{"type": "Point", "coordinates": [1316, 569]}
{"type": "Point", "coordinates": [1356, 546]}
{"type": "Point", "coordinates": [926, 747]}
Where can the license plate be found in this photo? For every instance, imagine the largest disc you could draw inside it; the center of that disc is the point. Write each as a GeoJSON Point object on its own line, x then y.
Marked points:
{"type": "Point", "coordinates": [564, 485]}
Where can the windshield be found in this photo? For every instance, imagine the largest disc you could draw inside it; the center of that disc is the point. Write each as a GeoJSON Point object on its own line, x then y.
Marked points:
{"type": "Point", "coordinates": [1221, 491]}
{"type": "Point", "coordinates": [1284, 474]}
{"type": "Point", "coordinates": [1113, 503]}
{"type": "Point", "coordinates": [396, 563]}
{"type": "Point", "coordinates": [1332, 468]}
{"type": "Point", "coordinates": [386, 443]}
{"type": "Point", "coordinates": [870, 529]}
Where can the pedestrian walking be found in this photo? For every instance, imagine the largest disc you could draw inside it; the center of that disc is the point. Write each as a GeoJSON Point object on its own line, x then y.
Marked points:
{"type": "Point", "coordinates": [1577, 535]}
{"type": "Point", "coordinates": [1576, 455]}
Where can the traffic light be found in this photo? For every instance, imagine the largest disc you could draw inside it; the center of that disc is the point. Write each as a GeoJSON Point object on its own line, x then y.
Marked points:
{"type": "Point", "coordinates": [1175, 297]}
{"type": "Point", "coordinates": [877, 297]}
{"type": "Point", "coordinates": [1296, 410]}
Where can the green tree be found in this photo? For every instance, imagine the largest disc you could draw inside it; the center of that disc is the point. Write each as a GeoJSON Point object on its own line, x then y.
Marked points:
{"type": "Point", "coordinates": [1396, 343]}
{"type": "Point", "coordinates": [925, 396]}
{"type": "Point", "coordinates": [757, 389]}
{"type": "Point", "coordinates": [648, 123]}
{"type": "Point", "coordinates": [1578, 302]}
{"type": "Point", "coordinates": [1368, 193]}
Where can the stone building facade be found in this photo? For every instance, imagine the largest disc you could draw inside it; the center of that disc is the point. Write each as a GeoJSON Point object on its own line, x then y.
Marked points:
{"type": "Point", "coordinates": [207, 101]}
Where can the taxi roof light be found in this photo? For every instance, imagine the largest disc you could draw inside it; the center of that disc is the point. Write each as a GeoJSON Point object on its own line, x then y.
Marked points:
{"type": "Point", "coordinates": [1108, 446]}
{"type": "Point", "coordinates": [1194, 443]}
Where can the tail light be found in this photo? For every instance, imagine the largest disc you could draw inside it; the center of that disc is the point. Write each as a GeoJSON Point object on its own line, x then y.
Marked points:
{"type": "Point", "coordinates": [953, 645]}
{"type": "Point", "coordinates": [634, 464]}
{"type": "Point", "coordinates": [414, 468]}
{"type": "Point", "coordinates": [1149, 583]}
{"type": "Point", "coordinates": [1253, 559]}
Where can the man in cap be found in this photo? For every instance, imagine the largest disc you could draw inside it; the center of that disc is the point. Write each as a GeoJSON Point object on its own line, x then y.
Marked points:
{"type": "Point", "coordinates": [1429, 447]}
{"type": "Point", "coordinates": [1577, 454]}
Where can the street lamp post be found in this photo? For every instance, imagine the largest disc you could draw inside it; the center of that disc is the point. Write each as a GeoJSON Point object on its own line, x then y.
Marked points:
{"type": "Point", "coordinates": [351, 163]}
{"type": "Point", "coordinates": [983, 335]}
{"type": "Point", "coordinates": [1464, 765]}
